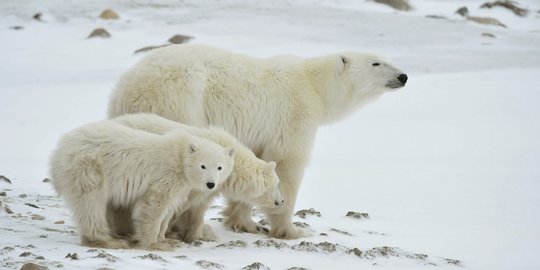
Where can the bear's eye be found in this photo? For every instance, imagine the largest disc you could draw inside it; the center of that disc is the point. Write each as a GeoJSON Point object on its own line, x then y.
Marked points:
{"type": "Point", "coordinates": [219, 168]}
{"type": "Point", "coordinates": [203, 167]}
{"type": "Point", "coordinates": [376, 64]}
{"type": "Point", "coordinates": [344, 60]}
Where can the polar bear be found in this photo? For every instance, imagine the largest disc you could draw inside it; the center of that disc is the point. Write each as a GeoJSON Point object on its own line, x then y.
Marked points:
{"type": "Point", "coordinates": [105, 162]}
{"type": "Point", "coordinates": [274, 106]}
{"type": "Point", "coordinates": [252, 180]}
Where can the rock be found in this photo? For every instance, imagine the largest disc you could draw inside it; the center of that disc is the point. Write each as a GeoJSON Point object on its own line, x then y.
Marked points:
{"type": "Point", "coordinates": [323, 234]}
{"type": "Point", "coordinates": [297, 268]}
{"type": "Point", "coordinates": [104, 255]}
{"type": "Point", "coordinates": [59, 222]}
{"type": "Point", "coordinates": [3, 194]}
{"type": "Point", "coordinates": [179, 39]}
{"type": "Point", "coordinates": [46, 180]}
{"type": "Point", "coordinates": [152, 256]}
{"type": "Point", "coordinates": [340, 231]}
{"type": "Point", "coordinates": [381, 252]}
{"type": "Point", "coordinates": [5, 179]}
{"type": "Point", "coordinates": [37, 217]}
{"type": "Point", "coordinates": [305, 212]}
{"type": "Point", "coordinates": [209, 264]}
{"type": "Point", "coordinates": [32, 266]}
{"type": "Point", "coordinates": [256, 266]}
{"type": "Point", "coordinates": [233, 244]}
{"type": "Point", "coordinates": [26, 254]}
{"type": "Point", "coordinates": [396, 4]}
{"type": "Point", "coordinates": [463, 11]}
{"type": "Point", "coordinates": [271, 243]}
{"type": "Point", "coordinates": [452, 261]}
{"type": "Point", "coordinates": [149, 48]}
{"type": "Point", "coordinates": [489, 35]}
{"type": "Point", "coordinates": [183, 257]}
{"type": "Point", "coordinates": [99, 32]}
{"type": "Point", "coordinates": [302, 225]}
{"type": "Point", "coordinates": [23, 195]}
{"type": "Point", "coordinates": [73, 256]}
{"type": "Point", "coordinates": [486, 20]}
{"type": "Point", "coordinates": [355, 251]}
{"type": "Point", "coordinates": [16, 27]}
{"type": "Point", "coordinates": [43, 236]}
{"type": "Point", "coordinates": [31, 205]}
{"type": "Point", "coordinates": [40, 258]}
{"type": "Point", "coordinates": [37, 17]}
{"type": "Point", "coordinates": [357, 215]}
{"type": "Point", "coordinates": [109, 14]}
{"type": "Point", "coordinates": [432, 16]}
{"type": "Point", "coordinates": [312, 247]}
{"type": "Point", "coordinates": [511, 5]}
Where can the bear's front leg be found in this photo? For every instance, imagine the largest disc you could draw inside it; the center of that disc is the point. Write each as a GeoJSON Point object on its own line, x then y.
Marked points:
{"type": "Point", "coordinates": [149, 214]}
{"type": "Point", "coordinates": [238, 217]}
{"type": "Point", "coordinates": [290, 174]}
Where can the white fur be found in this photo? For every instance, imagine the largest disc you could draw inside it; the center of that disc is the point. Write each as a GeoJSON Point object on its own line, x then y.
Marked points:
{"type": "Point", "coordinates": [252, 180]}
{"type": "Point", "coordinates": [274, 106]}
{"type": "Point", "coordinates": [105, 163]}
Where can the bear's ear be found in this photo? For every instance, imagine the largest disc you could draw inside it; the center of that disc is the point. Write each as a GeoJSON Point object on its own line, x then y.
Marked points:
{"type": "Point", "coordinates": [230, 151]}
{"type": "Point", "coordinates": [344, 60]}
{"type": "Point", "coordinates": [192, 148]}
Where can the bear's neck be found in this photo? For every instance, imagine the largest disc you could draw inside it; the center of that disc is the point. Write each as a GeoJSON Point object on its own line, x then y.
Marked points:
{"type": "Point", "coordinates": [337, 97]}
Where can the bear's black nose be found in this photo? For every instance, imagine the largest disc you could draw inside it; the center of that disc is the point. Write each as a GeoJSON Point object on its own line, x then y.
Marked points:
{"type": "Point", "coordinates": [402, 78]}
{"type": "Point", "coordinates": [279, 203]}
{"type": "Point", "coordinates": [210, 185]}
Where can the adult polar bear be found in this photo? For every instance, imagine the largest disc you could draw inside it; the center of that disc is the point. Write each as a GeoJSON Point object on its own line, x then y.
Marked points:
{"type": "Point", "coordinates": [274, 106]}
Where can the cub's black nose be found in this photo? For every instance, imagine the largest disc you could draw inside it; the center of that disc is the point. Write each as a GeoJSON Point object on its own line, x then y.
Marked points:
{"type": "Point", "coordinates": [402, 78]}
{"type": "Point", "coordinates": [210, 185]}
{"type": "Point", "coordinates": [279, 203]}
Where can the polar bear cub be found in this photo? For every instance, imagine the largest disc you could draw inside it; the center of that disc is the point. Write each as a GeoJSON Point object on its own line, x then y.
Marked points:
{"type": "Point", "coordinates": [107, 163]}
{"type": "Point", "coordinates": [252, 180]}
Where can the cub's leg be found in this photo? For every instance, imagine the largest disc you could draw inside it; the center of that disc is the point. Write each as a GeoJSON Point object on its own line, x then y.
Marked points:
{"type": "Point", "coordinates": [238, 218]}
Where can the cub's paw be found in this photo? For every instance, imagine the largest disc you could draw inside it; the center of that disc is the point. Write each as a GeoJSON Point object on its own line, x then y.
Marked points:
{"type": "Point", "coordinates": [246, 226]}
{"type": "Point", "coordinates": [161, 246]}
{"type": "Point", "coordinates": [289, 232]}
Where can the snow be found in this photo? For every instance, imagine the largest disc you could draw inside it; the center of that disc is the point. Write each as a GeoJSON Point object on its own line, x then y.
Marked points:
{"type": "Point", "coordinates": [447, 166]}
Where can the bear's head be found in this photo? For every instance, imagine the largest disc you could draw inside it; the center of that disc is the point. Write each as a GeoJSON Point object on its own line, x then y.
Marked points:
{"type": "Point", "coordinates": [365, 72]}
{"type": "Point", "coordinates": [207, 165]}
{"type": "Point", "coordinates": [255, 182]}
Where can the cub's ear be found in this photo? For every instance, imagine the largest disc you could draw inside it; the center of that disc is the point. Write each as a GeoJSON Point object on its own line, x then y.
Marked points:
{"type": "Point", "coordinates": [230, 151]}
{"type": "Point", "coordinates": [192, 148]}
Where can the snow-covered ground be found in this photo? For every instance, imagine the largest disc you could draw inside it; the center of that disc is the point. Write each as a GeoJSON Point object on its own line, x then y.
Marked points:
{"type": "Point", "coordinates": [447, 167]}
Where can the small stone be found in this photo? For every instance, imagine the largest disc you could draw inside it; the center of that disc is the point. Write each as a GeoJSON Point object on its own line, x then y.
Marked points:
{"type": "Point", "coordinates": [149, 48]}
{"type": "Point", "coordinates": [355, 251]}
{"type": "Point", "coordinates": [43, 236]}
{"type": "Point", "coordinates": [37, 16]}
{"type": "Point", "coordinates": [357, 215]}
{"type": "Point", "coordinates": [323, 234]}
{"type": "Point", "coordinates": [209, 264]}
{"type": "Point", "coordinates": [109, 14]}
{"type": "Point", "coordinates": [233, 244]}
{"type": "Point", "coordinates": [5, 179]}
{"type": "Point", "coordinates": [183, 257]}
{"type": "Point", "coordinates": [452, 261]}
{"type": "Point", "coordinates": [432, 16]}
{"type": "Point", "coordinates": [40, 258]}
{"type": "Point", "coordinates": [302, 225]}
{"type": "Point", "coordinates": [23, 195]}
{"type": "Point", "coordinates": [37, 217]}
{"type": "Point", "coordinates": [256, 266]}
{"type": "Point", "coordinates": [46, 180]}
{"type": "Point", "coordinates": [151, 256]}
{"type": "Point", "coordinates": [3, 194]}
{"type": "Point", "coordinates": [297, 268]}
{"type": "Point", "coordinates": [396, 4]}
{"type": "Point", "coordinates": [59, 222]}
{"type": "Point", "coordinates": [73, 256]}
{"type": "Point", "coordinates": [305, 212]}
{"type": "Point", "coordinates": [26, 254]}
{"type": "Point", "coordinates": [463, 11]}
{"type": "Point", "coordinates": [486, 20]}
{"type": "Point", "coordinates": [489, 35]}
{"type": "Point", "coordinates": [105, 255]}
{"type": "Point", "coordinates": [179, 39]}
{"type": "Point", "coordinates": [32, 266]}
{"type": "Point", "coordinates": [340, 231]}
{"type": "Point", "coordinates": [32, 205]}
{"type": "Point", "coordinates": [16, 27]}
{"type": "Point", "coordinates": [99, 32]}
{"type": "Point", "coordinates": [271, 243]}
{"type": "Point", "coordinates": [511, 5]}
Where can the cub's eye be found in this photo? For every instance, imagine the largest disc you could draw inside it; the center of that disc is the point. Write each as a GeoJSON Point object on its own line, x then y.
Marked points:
{"type": "Point", "coordinates": [219, 168]}
{"type": "Point", "coordinates": [203, 167]}
{"type": "Point", "coordinates": [376, 64]}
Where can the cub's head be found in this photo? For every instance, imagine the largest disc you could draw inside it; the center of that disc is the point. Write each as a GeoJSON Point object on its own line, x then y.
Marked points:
{"type": "Point", "coordinates": [369, 72]}
{"type": "Point", "coordinates": [255, 182]}
{"type": "Point", "coordinates": [207, 165]}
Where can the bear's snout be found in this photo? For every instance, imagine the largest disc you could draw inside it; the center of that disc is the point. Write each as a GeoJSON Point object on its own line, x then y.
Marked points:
{"type": "Point", "coordinates": [402, 78]}
{"type": "Point", "coordinates": [210, 185]}
{"type": "Point", "coordinates": [279, 203]}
